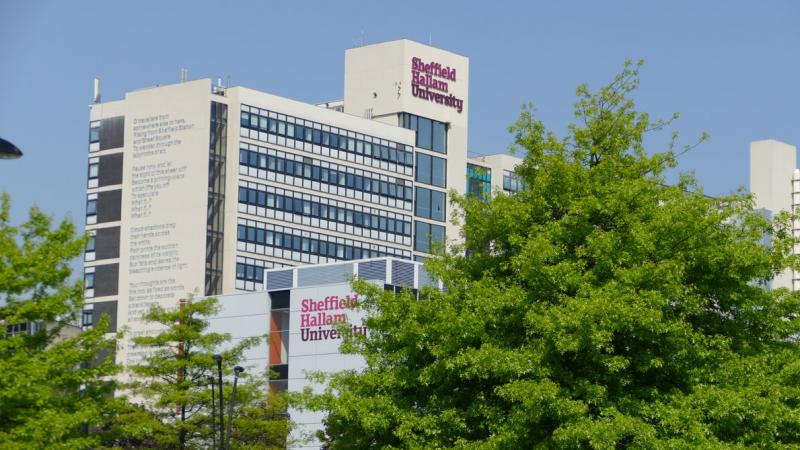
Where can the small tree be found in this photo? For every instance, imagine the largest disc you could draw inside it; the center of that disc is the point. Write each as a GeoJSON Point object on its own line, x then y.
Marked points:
{"type": "Point", "coordinates": [600, 307]}
{"type": "Point", "coordinates": [53, 386]}
{"type": "Point", "coordinates": [173, 381]}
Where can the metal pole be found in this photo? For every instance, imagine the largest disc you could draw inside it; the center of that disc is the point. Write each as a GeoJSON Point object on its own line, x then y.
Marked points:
{"type": "Point", "coordinates": [236, 371]}
{"type": "Point", "coordinates": [218, 358]}
{"type": "Point", "coordinates": [213, 415]}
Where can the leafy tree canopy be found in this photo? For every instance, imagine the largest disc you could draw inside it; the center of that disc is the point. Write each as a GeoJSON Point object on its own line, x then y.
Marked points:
{"type": "Point", "coordinates": [173, 384]}
{"type": "Point", "coordinates": [53, 385]}
{"type": "Point", "coordinates": [599, 307]}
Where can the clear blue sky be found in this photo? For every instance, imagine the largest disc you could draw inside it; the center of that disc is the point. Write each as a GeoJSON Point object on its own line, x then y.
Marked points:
{"type": "Point", "coordinates": [731, 68]}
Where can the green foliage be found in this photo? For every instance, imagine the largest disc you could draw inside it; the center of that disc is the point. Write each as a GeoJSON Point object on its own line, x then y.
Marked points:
{"type": "Point", "coordinates": [598, 308]}
{"type": "Point", "coordinates": [173, 383]}
{"type": "Point", "coordinates": [52, 384]}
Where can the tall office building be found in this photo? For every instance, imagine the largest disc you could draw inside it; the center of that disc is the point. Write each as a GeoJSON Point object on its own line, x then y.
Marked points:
{"type": "Point", "coordinates": [775, 184]}
{"type": "Point", "coordinates": [198, 188]}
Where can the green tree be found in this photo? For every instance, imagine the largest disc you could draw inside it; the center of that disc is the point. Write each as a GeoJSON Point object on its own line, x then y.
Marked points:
{"type": "Point", "coordinates": [599, 307]}
{"type": "Point", "coordinates": [52, 383]}
{"type": "Point", "coordinates": [173, 383]}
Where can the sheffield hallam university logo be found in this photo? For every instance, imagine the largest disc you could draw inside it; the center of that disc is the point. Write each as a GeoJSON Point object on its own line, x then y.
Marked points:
{"type": "Point", "coordinates": [430, 81]}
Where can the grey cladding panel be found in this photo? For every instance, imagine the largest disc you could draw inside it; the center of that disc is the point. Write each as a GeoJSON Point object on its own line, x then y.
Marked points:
{"type": "Point", "coordinates": [110, 170]}
{"type": "Point", "coordinates": [109, 204]}
{"type": "Point", "coordinates": [372, 270]}
{"type": "Point", "coordinates": [279, 280]}
{"type": "Point", "coordinates": [109, 308]}
{"type": "Point", "coordinates": [402, 274]}
{"type": "Point", "coordinates": [112, 132]}
{"type": "Point", "coordinates": [315, 276]}
{"type": "Point", "coordinates": [106, 280]}
{"type": "Point", "coordinates": [107, 243]}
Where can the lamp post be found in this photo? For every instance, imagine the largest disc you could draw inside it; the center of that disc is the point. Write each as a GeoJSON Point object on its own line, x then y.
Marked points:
{"type": "Point", "coordinates": [9, 150]}
{"type": "Point", "coordinates": [213, 414]}
{"type": "Point", "coordinates": [236, 371]}
{"type": "Point", "coordinates": [218, 359]}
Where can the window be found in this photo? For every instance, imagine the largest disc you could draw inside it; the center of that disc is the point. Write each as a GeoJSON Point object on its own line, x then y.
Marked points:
{"type": "Point", "coordinates": [311, 132]}
{"type": "Point", "coordinates": [249, 272]}
{"type": "Point", "coordinates": [479, 181]}
{"type": "Point", "coordinates": [288, 239]}
{"type": "Point", "coordinates": [431, 170]}
{"type": "Point", "coordinates": [94, 169]}
{"type": "Point", "coordinates": [91, 207]}
{"type": "Point", "coordinates": [16, 329]}
{"type": "Point", "coordinates": [364, 183]}
{"type": "Point", "coordinates": [91, 244]}
{"type": "Point", "coordinates": [87, 318]}
{"type": "Point", "coordinates": [88, 280]}
{"type": "Point", "coordinates": [431, 134]}
{"type": "Point", "coordinates": [430, 204]}
{"type": "Point", "coordinates": [439, 137]}
{"type": "Point", "coordinates": [511, 182]}
{"type": "Point", "coordinates": [427, 235]}
{"type": "Point", "coordinates": [94, 134]}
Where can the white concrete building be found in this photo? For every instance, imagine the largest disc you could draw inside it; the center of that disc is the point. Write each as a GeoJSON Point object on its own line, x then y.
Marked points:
{"type": "Point", "coordinates": [775, 184]}
{"type": "Point", "coordinates": [197, 187]}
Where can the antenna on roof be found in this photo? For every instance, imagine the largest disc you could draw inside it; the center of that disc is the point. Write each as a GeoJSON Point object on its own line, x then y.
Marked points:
{"type": "Point", "coordinates": [96, 96]}
{"type": "Point", "coordinates": [430, 39]}
{"type": "Point", "coordinates": [184, 75]}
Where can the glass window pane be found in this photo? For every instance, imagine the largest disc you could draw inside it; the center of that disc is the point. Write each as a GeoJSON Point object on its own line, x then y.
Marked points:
{"type": "Point", "coordinates": [423, 202]}
{"type": "Point", "coordinates": [424, 133]}
{"type": "Point", "coordinates": [422, 237]}
{"type": "Point", "coordinates": [94, 134]}
{"type": "Point", "coordinates": [91, 207]}
{"type": "Point", "coordinates": [437, 205]}
{"type": "Point", "coordinates": [93, 170]}
{"type": "Point", "coordinates": [439, 137]}
{"type": "Point", "coordinates": [437, 234]}
{"type": "Point", "coordinates": [423, 168]}
{"type": "Point", "coordinates": [439, 172]}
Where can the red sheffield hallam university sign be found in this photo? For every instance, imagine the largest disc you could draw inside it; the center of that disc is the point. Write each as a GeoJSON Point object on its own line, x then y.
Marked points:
{"type": "Point", "coordinates": [431, 81]}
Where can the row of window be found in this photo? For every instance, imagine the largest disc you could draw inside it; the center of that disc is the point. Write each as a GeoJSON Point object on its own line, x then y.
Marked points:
{"type": "Point", "coordinates": [431, 134]}
{"type": "Point", "coordinates": [249, 272]}
{"type": "Point", "coordinates": [431, 170]}
{"type": "Point", "coordinates": [330, 176]}
{"type": "Point", "coordinates": [308, 244]}
{"type": "Point", "coordinates": [324, 211]}
{"type": "Point", "coordinates": [430, 204]}
{"type": "Point", "coordinates": [368, 146]}
{"type": "Point", "coordinates": [426, 235]}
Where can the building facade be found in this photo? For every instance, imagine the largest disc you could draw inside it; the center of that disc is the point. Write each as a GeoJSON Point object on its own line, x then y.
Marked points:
{"type": "Point", "coordinates": [199, 188]}
{"type": "Point", "coordinates": [299, 311]}
{"type": "Point", "coordinates": [775, 185]}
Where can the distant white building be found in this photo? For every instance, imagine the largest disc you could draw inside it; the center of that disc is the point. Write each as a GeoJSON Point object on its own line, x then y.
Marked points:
{"type": "Point", "coordinates": [775, 183]}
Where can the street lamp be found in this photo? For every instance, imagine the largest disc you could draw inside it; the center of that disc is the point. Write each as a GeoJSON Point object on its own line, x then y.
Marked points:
{"type": "Point", "coordinates": [236, 371]}
{"type": "Point", "coordinates": [9, 150]}
{"type": "Point", "coordinates": [213, 415]}
{"type": "Point", "coordinates": [218, 359]}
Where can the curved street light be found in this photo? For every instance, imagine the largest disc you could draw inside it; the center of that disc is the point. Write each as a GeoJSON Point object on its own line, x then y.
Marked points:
{"type": "Point", "coordinates": [9, 150]}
